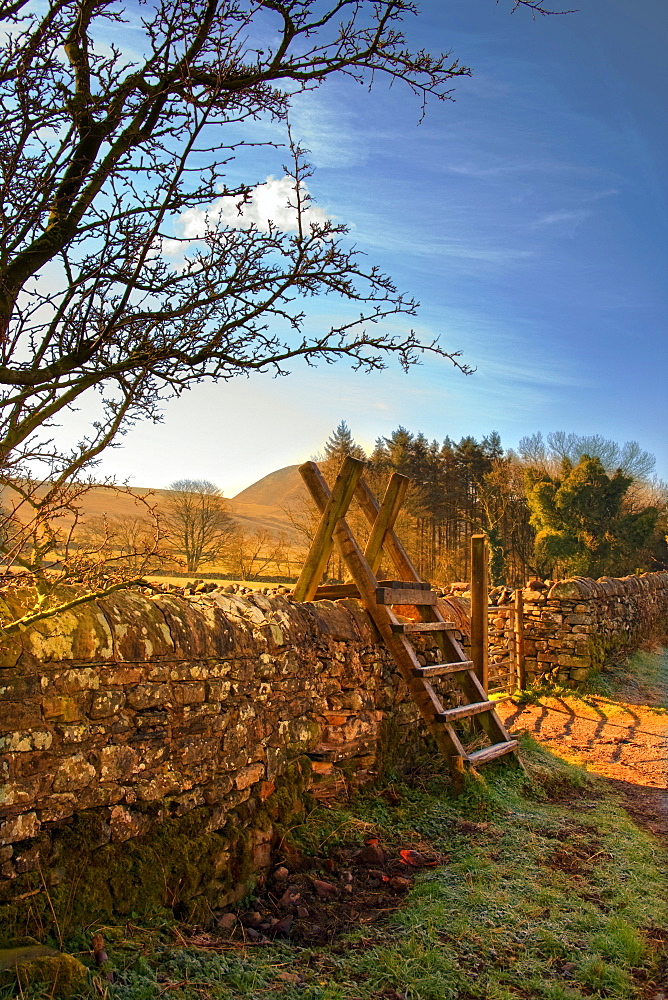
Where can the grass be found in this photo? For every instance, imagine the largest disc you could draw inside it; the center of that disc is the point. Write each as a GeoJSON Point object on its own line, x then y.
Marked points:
{"type": "Point", "coordinates": [549, 892]}
{"type": "Point", "coordinates": [640, 679]}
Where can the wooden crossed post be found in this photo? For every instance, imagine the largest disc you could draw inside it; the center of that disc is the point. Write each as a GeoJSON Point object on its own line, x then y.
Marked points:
{"type": "Point", "coordinates": [379, 596]}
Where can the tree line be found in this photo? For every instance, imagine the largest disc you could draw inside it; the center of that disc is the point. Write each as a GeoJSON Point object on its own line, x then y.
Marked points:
{"type": "Point", "coordinates": [568, 505]}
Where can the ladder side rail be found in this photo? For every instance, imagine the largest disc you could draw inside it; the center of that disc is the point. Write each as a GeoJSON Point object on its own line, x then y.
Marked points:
{"type": "Point", "coordinates": [385, 519]}
{"type": "Point", "coordinates": [391, 544]}
{"type": "Point", "coordinates": [479, 602]}
{"type": "Point", "coordinates": [323, 543]}
{"type": "Point", "coordinates": [521, 675]}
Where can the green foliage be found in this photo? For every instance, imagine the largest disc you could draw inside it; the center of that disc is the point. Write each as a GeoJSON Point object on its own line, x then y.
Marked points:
{"type": "Point", "coordinates": [583, 527]}
{"type": "Point", "coordinates": [497, 556]}
{"type": "Point", "coordinates": [341, 443]}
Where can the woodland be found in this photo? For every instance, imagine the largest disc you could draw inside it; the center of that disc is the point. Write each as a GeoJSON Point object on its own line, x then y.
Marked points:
{"type": "Point", "coordinates": [569, 505]}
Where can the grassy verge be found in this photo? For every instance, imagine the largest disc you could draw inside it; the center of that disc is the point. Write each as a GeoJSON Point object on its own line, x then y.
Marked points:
{"type": "Point", "coordinates": [641, 679]}
{"type": "Point", "coordinates": [547, 891]}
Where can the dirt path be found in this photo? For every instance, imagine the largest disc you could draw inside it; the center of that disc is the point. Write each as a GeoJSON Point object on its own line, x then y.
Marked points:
{"type": "Point", "coordinates": [622, 735]}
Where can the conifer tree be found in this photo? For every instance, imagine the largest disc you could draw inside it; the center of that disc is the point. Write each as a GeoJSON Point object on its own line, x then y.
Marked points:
{"type": "Point", "coordinates": [340, 444]}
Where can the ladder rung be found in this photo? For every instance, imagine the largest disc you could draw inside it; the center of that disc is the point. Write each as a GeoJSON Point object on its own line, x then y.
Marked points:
{"type": "Point", "coordinates": [404, 627]}
{"type": "Point", "coordinates": [441, 669]}
{"type": "Point", "coordinates": [336, 591]}
{"type": "Point", "coordinates": [491, 753]}
{"type": "Point", "coordinates": [392, 595]}
{"type": "Point", "coordinates": [465, 711]}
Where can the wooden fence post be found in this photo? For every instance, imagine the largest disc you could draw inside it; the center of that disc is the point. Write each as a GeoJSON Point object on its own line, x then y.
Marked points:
{"type": "Point", "coordinates": [521, 674]}
{"type": "Point", "coordinates": [479, 602]}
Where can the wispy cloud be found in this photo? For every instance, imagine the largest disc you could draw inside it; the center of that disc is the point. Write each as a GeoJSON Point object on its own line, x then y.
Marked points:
{"type": "Point", "coordinates": [475, 169]}
{"type": "Point", "coordinates": [545, 372]}
{"type": "Point", "coordinates": [464, 250]}
{"type": "Point", "coordinates": [574, 216]}
{"type": "Point", "coordinates": [328, 129]}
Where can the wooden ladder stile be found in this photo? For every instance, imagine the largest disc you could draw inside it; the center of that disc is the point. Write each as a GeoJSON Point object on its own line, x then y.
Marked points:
{"type": "Point", "coordinates": [409, 590]}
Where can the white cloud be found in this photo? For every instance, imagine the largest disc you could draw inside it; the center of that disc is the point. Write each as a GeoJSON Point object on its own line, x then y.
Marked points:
{"type": "Point", "coordinates": [272, 202]}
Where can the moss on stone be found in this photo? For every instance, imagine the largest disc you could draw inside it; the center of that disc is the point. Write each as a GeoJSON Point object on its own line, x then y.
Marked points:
{"type": "Point", "coordinates": [387, 746]}
{"type": "Point", "coordinates": [291, 797]}
{"type": "Point", "coordinates": [180, 867]}
{"type": "Point", "coordinates": [63, 975]}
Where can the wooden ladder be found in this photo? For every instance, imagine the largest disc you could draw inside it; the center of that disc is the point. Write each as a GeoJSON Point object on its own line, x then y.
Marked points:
{"type": "Point", "coordinates": [379, 597]}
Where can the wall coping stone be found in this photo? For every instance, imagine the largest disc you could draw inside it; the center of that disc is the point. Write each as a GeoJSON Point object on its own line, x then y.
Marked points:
{"type": "Point", "coordinates": [583, 588]}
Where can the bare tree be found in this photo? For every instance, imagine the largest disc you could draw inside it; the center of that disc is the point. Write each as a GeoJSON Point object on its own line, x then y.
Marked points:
{"type": "Point", "coordinates": [197, 521]}
{"type": "Point", "coordinates": [128, 544]}
{"type": "Point", "coordinates": [251, 552]}
{"type": "Point", "coordinates": [111, 152]}
{"type": "Point", "coordinates": [549, 455]}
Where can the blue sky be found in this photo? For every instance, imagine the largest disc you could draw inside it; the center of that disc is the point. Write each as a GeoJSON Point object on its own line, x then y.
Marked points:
{"type": "Point", "coordinates": [529, 218]}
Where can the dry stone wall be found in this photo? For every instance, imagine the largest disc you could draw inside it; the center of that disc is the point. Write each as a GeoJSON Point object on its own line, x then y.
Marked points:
{"type": "Point", "coordinates": [572, 627]}
{"type": "Point", "coordinates": [154, 749]}
{"type": "Point", "coordinates": [138, 715]}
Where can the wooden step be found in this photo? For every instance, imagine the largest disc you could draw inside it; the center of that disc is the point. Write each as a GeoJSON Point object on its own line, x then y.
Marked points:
{"type": "Point", "coordinates": [395, 595]}
{"type": "Point", "coordinates": [491, 753]}
{"type": "Point", "coordinates": [338, 591]}
{"type": "Point", "coordinates": [441, 669]}
{"type": "Point", "coordinates": [465, 711]}
{"type": "Point", "coordinates": [405, 627]}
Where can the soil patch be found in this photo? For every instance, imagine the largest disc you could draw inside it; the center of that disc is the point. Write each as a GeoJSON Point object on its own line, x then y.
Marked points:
{"type": "Point", "coordinates": [319, 898]}
{"type": "Point", "coordinates": [648, 806]}
{"type": "Point", "coordinates": [623, 742]}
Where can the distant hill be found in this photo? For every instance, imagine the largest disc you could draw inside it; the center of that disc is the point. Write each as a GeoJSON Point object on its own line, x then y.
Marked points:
{"type": "Point", "coordinates": [258, 508]}
{"type": "Point", "coordinates": [262, 506]}
{"type": "Point", "coordinates": [280, 488]}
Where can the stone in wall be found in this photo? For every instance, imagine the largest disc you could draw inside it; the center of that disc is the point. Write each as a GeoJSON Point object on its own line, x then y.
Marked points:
{"type": "Point", "coordinates": [572, 626]}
